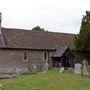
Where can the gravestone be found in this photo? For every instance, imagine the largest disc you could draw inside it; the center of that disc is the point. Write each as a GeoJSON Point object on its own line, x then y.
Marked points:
{"type": "Point", "coordinates": [71, 70]}
{"type": "Point", "coordinates": [45, 68]}
{"type": "Point", "coordinates": [1, 87]}
{"type": "Point", "coordinates": [60, 65]}
{"type": "Point", "coordinates": [78, 68]}
{"type": "Point", "coordinates": [34, 68]}
{"type": "Point", "coordinates": [61, 69]}
{"type": "Point", "coordinates": [84, 68]}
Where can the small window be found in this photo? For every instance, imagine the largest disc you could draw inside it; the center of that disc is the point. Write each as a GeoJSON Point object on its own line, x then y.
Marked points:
{"type": "Point", "coordinates": [25, 56]}
{"type": "Point", "coordinates": [45, 55]}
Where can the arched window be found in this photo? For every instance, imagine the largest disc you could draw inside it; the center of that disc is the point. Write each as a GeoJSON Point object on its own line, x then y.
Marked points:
{"type": "Point", "coordinates": [25, 58]}
{"type": "Point", "coordinates": [45, 55]}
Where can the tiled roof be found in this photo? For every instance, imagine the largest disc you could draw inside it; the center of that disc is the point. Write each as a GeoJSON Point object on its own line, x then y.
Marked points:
{"type": "Point", "coordinates": [60, 51]}
{"type": "Point", "coordinates": [27, 39]}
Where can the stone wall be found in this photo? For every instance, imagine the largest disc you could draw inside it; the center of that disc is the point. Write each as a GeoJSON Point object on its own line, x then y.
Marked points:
{"type": "Point", "coordinates": [13, 60]}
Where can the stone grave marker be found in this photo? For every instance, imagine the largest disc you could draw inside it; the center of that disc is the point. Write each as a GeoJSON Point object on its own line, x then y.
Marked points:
{"type": "Point", "coordinates": [61, 69]}
{"type": "Point", "coordinates": [34, 68]}
{"type": "Point", "coordinates": [84, 68]}
{"type": "Point", "coordinates": [78, 68]}
{"type": "Point", "coordinates": [71, 70]}
{"type": "Point", "coordinates": [1, 87]}
{"type": "Point", "coordinates": [45, 68]}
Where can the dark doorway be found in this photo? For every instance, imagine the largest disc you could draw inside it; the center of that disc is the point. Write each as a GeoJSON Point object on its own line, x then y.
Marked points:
{"type": "Point", "coordinates": [63, 58]}
{"type": "Point", "coordinates": [65, 61]}
{"type": "Point", "coordinates": [61, 62]}
{"type": "Point", "coordinates": [56, 61]}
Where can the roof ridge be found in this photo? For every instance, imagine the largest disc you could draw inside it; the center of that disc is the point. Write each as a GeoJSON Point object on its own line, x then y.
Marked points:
{"type": "Point", "coordinates": [20, 38]}
{"type": "Point", "coordinates": [38, 31]}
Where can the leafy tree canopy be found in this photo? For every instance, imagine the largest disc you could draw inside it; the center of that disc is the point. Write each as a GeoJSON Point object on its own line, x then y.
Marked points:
{"type": "Point", "coordinates": [38, 28]}
{"type": "Point", "coordinates": [82, 40]}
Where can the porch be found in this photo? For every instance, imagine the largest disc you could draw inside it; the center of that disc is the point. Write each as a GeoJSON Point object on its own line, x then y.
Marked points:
{"type": "Point", "coordinates": [63, 57]}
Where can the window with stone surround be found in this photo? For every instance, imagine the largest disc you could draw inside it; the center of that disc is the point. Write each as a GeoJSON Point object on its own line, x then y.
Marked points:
{"type": "Point", "coordinates": [25, 58]}
{"type": "Point", "coordinates": [45, 55]}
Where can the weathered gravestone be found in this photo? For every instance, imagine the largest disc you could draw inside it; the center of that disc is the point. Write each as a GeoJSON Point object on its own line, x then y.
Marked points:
{"type": "Point", "coordinates": [34, 68]}
{"type": "Point", "coordinates": [1, 87]}
{"type": "Point", "coordinates": [61, 69]}
{"type": "Point", "coordinates": [78, 67]}
{"type": "Point", "coordinates": [71, 70]}
{"type": "Point", "coordinates": [84, 68]}
{"type": "Point", "coordinates": [45, 68]}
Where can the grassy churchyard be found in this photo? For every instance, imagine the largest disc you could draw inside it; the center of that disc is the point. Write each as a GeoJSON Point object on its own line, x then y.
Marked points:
{"type": "Point", "coordinates": [51, 81]}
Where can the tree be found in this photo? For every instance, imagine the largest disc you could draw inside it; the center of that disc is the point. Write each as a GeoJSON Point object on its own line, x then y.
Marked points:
{"type": "Point", "coordinates": [82, 40]}
{"type": "Point", "coordinates": [37, 28]}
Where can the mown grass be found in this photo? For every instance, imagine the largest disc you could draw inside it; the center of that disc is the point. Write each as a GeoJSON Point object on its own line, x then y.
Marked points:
{"type": "Point", "coordinates": [51, 81]}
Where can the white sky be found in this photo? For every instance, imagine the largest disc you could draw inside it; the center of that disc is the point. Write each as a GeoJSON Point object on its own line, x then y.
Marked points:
{"type": "Point", "coordinates": [52, 15]}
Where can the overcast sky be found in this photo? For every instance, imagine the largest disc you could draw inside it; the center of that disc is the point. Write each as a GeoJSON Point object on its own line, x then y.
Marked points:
{"type": "Point", "coordinates": [52, 15]}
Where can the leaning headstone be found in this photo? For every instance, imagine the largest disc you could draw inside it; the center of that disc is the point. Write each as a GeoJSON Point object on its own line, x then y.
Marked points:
{"type": "Point", "coordinates": [61, 69]}
{"type": "Point", "coordinates": [78, 68]}
{"type": "Point", "coordinates": [45, 68]}
{"type": "Point", "coordinates": [1, 87]}
{"type": "Point", "coordinates": [84, 68]}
